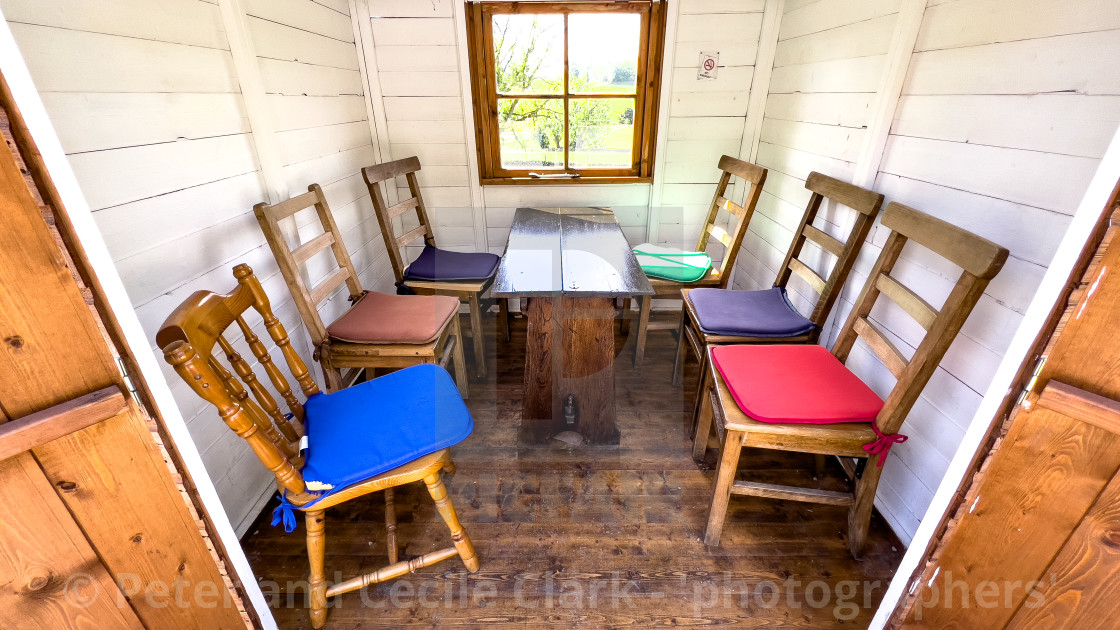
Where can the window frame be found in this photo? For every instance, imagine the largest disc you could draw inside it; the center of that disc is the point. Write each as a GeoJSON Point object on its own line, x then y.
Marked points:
{"type": "Point", "coordinates": [646, 95]}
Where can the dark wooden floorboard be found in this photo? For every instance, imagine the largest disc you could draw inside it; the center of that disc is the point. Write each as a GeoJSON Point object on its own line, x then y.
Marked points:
{"type": "Point", "coordinates": [592, 537]}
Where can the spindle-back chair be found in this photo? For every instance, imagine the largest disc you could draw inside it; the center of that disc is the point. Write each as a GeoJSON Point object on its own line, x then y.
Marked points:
{"type": "Point", "coordinates": [188, 338]}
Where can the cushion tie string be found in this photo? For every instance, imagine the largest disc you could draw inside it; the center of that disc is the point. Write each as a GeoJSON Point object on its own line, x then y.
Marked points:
{"type": "Point", "coordinates": [286, 513]}
{"type": "Point", "coordinates": [883, 445]}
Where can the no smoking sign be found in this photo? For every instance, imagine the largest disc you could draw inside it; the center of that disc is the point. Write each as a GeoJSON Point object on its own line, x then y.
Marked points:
{"type": "Point", "coordinates": [709, 65]}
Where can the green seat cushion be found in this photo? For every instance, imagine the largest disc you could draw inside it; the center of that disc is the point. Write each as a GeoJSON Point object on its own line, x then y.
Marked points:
{"type": "Point", "coordinates": [672, 264]}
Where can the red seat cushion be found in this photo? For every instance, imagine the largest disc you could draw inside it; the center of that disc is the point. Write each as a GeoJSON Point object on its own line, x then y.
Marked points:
{"type": "Point", "coordinates": [384, 318]}
{"type": "Point", "coordinates": [794, 383]}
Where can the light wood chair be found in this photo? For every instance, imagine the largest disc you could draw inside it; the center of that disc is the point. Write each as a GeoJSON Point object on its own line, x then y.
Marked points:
{"type": "Point", "coordinates": [755, 177]}
{"type": "Point", "coordinates": [852, 442]}
{"type": "Point", "coordinates": [864, 202]}
{"type": "Point", "coordinates": [470, 290]}
{"type": "Point", "coordinates": [378, 342]}
{"type": "Point", "coordinates": [188, 338]}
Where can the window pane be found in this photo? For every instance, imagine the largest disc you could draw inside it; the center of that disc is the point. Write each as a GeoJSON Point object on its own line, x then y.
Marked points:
{"type": "Point", "coordinates": [529, 54]}
{"type": "Point", "coordinates": [602, 132]}
{"type": "Point", "coordinates": [532, 133]}
{"type": "Point", "coordinates": [603, 52]}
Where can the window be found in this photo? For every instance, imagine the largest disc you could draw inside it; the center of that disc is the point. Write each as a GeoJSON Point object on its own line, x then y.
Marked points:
{"type": "Point", "coordinates": [565, 92]}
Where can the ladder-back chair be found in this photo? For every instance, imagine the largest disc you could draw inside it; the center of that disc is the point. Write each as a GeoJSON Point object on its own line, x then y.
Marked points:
{"type": "Point", "coordinates": [463, 275]}
{"type": "Point", "coordinates": [380, 330]}
{"type": "Point", "coordinates": [408, 419]}
{"type": "Point", "coordinates": [752, 175]}
{"type": "Point", "coordinates": [803, 398]}
{"type": "Point", "coordinates": [712, 317]}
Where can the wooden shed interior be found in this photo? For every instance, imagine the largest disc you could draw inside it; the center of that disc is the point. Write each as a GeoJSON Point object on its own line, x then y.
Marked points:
{"type": "Point", "coordinates": [560, 440]}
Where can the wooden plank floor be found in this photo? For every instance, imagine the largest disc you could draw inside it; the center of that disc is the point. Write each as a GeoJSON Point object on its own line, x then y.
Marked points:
{"type": "Point", "coordinates": [592, 537]}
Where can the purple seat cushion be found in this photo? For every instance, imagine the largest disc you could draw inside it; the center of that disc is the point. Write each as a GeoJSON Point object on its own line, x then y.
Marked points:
{"type": "Point", "coordinates": [747, 313]}
{"type": "Point", "coordinates": [440, 264]}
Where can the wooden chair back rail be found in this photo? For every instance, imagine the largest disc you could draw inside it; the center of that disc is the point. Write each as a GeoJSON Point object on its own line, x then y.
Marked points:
{"type": "Point", "coordinates": [308, 299]}
{"type": "Point", "coordinates": [373, 176]}
{"type": "Point", "coordinates": [324, 289]}
{"type": "Point", "coordinates": [808, 275]}
{"type": "Point", "coordinates": [188, 337]}
{"type": "Point", "coordinates": [306, 251]}
{"type": "Point", "coordinates": [754, 175]}
{"type": "Point", "coordinates": [730, 206]}
{"type": "Point", "coordinates": [866, 204]}
{"type": "Point", "coordinates": [402, 207]}
{"type": "Point", "coordinates": [389, 170]}
{"type": "Point", "coordinates": [984, 260]}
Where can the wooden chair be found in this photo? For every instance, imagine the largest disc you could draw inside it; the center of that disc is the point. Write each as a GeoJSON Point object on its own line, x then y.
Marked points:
{"type": "Point", "coordinates": [753, 175]}
{"type": "Point", "coordinates": [691, 333]}
{"type": "Point", "coordinates": [379, 330]}
{"type": "Point", "coordinates": [806, 383]}
{"type": "Point", "coordinates": [470, 289]}
{"type": "Point", "coordinates": [188, 338]}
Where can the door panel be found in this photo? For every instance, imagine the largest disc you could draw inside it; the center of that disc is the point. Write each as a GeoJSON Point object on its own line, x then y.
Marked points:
{"type": "Point", "coordinates": [103, 494]}
{"type": "Point", "coordinates": [50, 576]}
{"type": "Point", "coordinates": [1036, 542]}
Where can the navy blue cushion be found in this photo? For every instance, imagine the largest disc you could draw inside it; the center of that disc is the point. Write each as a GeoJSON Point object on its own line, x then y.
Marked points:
{"type": "Point", "coordinates": [747, 313]}
{"type": "Point", "coordinates": [440, 264]}
{"type": "Point", "coordinates": [376, 426]}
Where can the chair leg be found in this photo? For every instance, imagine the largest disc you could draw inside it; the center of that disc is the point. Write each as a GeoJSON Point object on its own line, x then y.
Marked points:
{"type": "Point", "coordinates": [820, 463]}
{"type": "Point", "coordinates": [859, 514]}
{"type": "Point", "coordinates": [476, 332]}
{"type": "Point", "coordinates": [725, 478]}
{"type": "Point", "coordinates": [503, 314]}
{"type": "Point", "coordinates": [643, 325]}
{"type": "Point", "coordinates": [391, 525]}
{"type": "Point", "coordinates": [703, 417]}
{"type": "Point", "coordinates": [682, 349]}
{"type": "Point", "coordinates": [458, 359]}
{"type": "Point", "coordinates": [316, 545]}
{"type": "Point", "coordinates": [624, 319]}
{"type": "Point", "coordinates": [332, 375]}
{"type": "Point", "coordinates": [447, 511]}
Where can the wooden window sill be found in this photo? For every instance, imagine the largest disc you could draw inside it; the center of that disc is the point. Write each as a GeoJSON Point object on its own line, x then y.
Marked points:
{"type": "Point", "coordinates": [532, 181]}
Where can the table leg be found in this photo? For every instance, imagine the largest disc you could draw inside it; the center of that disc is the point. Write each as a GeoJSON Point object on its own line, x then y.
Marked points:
{"type": "Point", "coordinates": [569, 352]}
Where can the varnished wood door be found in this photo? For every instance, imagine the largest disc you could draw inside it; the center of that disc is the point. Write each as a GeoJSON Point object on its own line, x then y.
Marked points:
{"type": "Point", "coordinates": [94, 530]}
{"type": "Point", "coordinates": [1036, 543]}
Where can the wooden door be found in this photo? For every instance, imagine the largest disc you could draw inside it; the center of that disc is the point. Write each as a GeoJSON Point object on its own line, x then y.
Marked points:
{"type": "Point", "coordinates": [1036, 541]}
{"type": "Point", "coordinates": [95, 532]}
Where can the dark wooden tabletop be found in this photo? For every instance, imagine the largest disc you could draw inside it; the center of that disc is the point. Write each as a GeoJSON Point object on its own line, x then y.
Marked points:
{"type": "Point", "coordinates": [568, 251]}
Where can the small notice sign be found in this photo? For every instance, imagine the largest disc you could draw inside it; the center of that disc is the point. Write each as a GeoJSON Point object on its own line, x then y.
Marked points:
{"type": "Point", "coordinates": [709, 65]}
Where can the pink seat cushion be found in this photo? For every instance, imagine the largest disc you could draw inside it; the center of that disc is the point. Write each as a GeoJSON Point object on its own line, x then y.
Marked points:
{"type": "Point", "coordinates": [383, 318]}
{"type": "Point", "coordinates": [793, 383]}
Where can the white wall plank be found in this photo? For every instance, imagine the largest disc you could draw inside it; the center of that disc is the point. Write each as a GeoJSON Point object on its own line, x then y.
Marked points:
{"type": "Point", "coordinates": [120, 64]}
{"type": "Point", "coordinates": [1071, 124]}
{"type": "Point", "coordinates": [986, 69]}
{"type": "Point", "coordinates": [955, 25]}
{"type": "Point", "coordinates": [172, 21]}
{"type": "Point", "coordinates": [413, 31]}
{"type": "Point", "coordinates": [309, 16]}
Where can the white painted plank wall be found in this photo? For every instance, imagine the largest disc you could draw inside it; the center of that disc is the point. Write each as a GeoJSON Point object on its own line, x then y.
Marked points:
{"type": "Point", "coordinates": [417, 56]}
{"type": "Point", "coordinates": [826, 71]}
{"type": "Point", "coordinates": [706, 117]}
{"type": "Point", "coordinates": [146, 99]}
{"type": "Point", "coordinates": [1006, 111]}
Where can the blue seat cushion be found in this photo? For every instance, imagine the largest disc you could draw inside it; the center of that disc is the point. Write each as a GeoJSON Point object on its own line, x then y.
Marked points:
{"type": "Point", "coordinates": [747, 313]}
{"type": "Point", "coordinates": [440, 264]}
{"type": "Point", "coordinates": [376, 426]}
